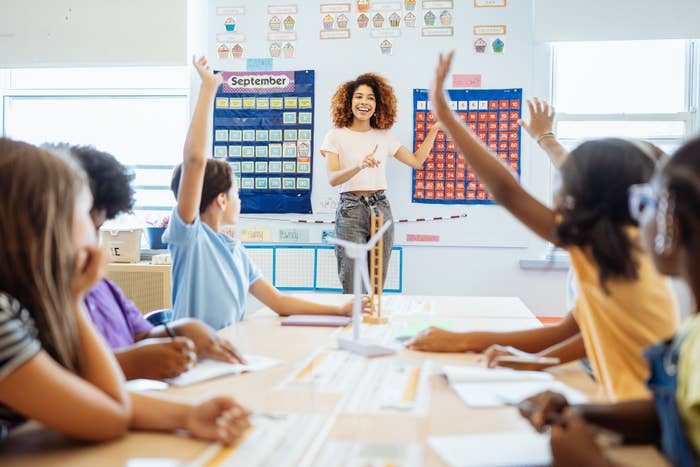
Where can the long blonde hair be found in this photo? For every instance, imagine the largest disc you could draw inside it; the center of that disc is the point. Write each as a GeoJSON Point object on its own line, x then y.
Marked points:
{"type": "Point", "coordinates": [37, 256]}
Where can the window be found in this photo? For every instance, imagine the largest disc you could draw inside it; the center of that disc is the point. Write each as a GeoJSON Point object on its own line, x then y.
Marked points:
{"type": "Point", "coordinates": [138, 114]}
{"type": "Point", "coordinates": [635, 89]}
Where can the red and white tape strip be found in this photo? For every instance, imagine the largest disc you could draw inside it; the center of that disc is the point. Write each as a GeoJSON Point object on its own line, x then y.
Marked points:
{"type": "Point", "coordinates": [396, 221]}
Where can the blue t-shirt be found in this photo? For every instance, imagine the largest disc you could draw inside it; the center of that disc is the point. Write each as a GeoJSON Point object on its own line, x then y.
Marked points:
{"type": "Point", "coordinates": [211, 273]}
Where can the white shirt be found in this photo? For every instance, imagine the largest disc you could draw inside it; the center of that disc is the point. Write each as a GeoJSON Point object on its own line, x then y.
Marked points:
{"type": "Point", "coordinates": [352, 147]}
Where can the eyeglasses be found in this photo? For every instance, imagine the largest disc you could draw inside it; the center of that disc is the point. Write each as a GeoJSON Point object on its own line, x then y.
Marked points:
{"type": "Point", "coordinates": [642, 201]}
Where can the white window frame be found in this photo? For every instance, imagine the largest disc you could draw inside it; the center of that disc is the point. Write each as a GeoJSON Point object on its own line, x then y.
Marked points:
{"type": "Point", "coordinates": [689, 116]}
{"type": "Point", "coordinates": [545, 82]}
{"type": "Point", "coordinates": [7, 92]}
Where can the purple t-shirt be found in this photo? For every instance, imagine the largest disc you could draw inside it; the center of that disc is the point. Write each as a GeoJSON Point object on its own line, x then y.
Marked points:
{"type": "Point", "coordinates": [114, 316]}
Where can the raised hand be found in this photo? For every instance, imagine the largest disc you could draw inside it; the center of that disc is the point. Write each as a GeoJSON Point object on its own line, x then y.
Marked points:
{"type": "Point", "coordinates": [437, 92]}
{"type": "Point", "coordinates": [541, 118]}
{"type": "Point", "coordinates": [208, 77]}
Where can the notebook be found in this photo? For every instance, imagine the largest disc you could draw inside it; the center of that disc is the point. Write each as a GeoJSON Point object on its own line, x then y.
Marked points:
{"type": "Point", "coordinates": [209, 369]}
{"type": "Point", "coordinates": [495, 387]}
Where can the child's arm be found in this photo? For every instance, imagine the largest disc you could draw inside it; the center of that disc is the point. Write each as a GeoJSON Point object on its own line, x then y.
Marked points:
{"type": "Point", "coordinates": [206, 342]}
{"type": "Point", "coordinates": [575, 444]}
{"type": "Point", "coordinates": [218, 419]}
{"type": "Point", "coordinates": [637, 420]}
{"type": "Point", "coordinates": [497, 178]}
{"type": "Point", "coordinates": [540, 129]}
{"type": "Point", "coordinates": [45, 391]}
{"type": "Point", "coordinates": [531, 340]}
{"type": "Point", "coordinates": [195, 151]}
{"type": "Point", "coordinates": [285, 305]}
{"type": "Point", "coordinates": [566, 351]}
{"type": "Point", "coordinates": [416, 159]}
{"type": "Point", "coordinates": [338, 176]}
{"type": "Point", "coordinates": [157, 358]}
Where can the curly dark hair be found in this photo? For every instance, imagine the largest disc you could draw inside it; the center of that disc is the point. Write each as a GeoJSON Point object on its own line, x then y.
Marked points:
{"type": "Point", "coordinates": [681, 176]}
{"type": "Point", "coordinates": [385, 111]}
{"type": "Point", "coordinates": [596, 177]}
{"type": "Point", "coordinates": [110, 181]}
{"type": "Point", "coordinates": [218, 179]}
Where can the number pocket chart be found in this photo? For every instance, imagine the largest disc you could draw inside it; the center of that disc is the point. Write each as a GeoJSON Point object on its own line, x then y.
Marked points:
{"type": "Point", "coordinates": [445, 177]}
{"type": "Point", "coordinates": [263, 127]}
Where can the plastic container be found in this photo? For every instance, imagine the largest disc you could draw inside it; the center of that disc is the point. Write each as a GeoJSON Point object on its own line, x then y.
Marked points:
{"type": "Point", "coordinates": [124, 245]}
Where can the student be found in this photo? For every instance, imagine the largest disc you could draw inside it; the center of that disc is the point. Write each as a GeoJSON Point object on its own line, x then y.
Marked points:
{"type": "Point", "coordinates": [212, 272]}
{"type": "Point", "coordinates": [357, 152]}
{"type": "Point", "coordinates": [624, 305]}
{"type": "Point", "coordinates": [668, 211]}
{"type": "Point", "coordinates": [142, 350]}
{"type": "Point", "coordinates": [54, 367]}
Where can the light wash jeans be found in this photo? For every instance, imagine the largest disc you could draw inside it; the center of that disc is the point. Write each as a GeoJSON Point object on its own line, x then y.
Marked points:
{"type": "Point", "coordinates": [352, 223]}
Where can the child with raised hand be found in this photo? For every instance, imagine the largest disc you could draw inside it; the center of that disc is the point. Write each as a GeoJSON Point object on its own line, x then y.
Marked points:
{"type": "Point", "coordinates": [624, 305]}
{"type": "Point", "coordinates": [541, 129]}
{"type": "Point", "coordinates": [48, 261]}
{"type": "Point", "coordinates": [142, 350]}
{"type": "Point", "coordinates": [668, 211]}
{"type": "Point", "coordinates": [212, 272]}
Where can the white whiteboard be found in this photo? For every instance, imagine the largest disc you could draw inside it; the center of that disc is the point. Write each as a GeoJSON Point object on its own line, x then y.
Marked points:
{"type": "Point", "coordinates": [410, 66]}
{"type": "Point", "coordinates": [75, 33]}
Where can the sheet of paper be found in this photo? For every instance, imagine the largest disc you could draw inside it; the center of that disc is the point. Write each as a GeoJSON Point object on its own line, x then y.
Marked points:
{"type": "Point", "coordinates": [352, 454]}
{"type": "Point", "coordinates": [326, 371]}
{"type": "Point", "coordinates": [210, 369]}
{"type": "Point", "coordinates": [496, 394]}
{"type": "Point", "coordinates": [487, 449]}
{"type": "Point", "coordinates": [392, 386]}
{"type": "Point", "coordinates": [270, 442]}
{"type": "Point", "coordinates": [480, 374]}
{"type": "Point", "coordinates": [382, 334]}
{"type": "Point", "coordinates": [402, 305]}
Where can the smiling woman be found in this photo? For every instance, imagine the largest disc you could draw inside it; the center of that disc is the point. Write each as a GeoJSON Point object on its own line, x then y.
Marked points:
{"type": "Point", "coordinates": [357, 152]}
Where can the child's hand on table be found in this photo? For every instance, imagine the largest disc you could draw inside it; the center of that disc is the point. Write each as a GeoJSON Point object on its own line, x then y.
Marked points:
{"type": "Point", "coordinates": [218, 419]}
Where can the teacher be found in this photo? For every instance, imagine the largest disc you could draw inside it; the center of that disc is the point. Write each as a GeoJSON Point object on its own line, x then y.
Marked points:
{"type": "Point", "coordinates": [357, 151]}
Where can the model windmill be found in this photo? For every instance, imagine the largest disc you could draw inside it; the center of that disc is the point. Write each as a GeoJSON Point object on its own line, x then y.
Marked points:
{"type": "Point", "coordinates": [358, 253]}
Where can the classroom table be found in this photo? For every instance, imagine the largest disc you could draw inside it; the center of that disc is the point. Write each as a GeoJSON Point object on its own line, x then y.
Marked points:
{"type": "Point", "coordinates": [261, 334]}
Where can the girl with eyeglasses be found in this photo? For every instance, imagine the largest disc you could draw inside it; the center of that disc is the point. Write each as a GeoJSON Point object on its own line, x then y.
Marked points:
{"type": "Point", "coordinates": [668, 212]}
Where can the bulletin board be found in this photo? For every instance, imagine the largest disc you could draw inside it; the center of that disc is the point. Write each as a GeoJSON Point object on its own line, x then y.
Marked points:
{"type": "Point", "coordinates": [493, 116]}
{"type": "Point", "coordinates": [263, 127]}
{"type": "Point", "coordinates": [400, 40]}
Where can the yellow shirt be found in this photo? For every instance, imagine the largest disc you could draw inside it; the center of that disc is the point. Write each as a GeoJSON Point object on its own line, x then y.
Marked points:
{"type": "Point", "coordinates": [688, 389]}
{"type": "Point", "coordinates": [618, 325]}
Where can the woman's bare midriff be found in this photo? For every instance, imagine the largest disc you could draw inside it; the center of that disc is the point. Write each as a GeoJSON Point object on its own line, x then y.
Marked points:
{"type": "Point", "coordinates": [364, 193]}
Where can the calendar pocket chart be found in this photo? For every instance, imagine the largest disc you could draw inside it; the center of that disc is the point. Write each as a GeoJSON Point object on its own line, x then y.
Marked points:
{"type": "Point", "coordinates": [263, 127]}
{"type": "Point", "coordinates": [445, 177]}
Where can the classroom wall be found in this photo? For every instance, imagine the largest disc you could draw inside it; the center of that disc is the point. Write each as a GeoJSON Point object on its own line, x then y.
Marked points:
{"type": "Point", "coordinates": [478, 255]}
{"type": "Point", "coordinates": [75, 33]}
{"type": "Point", "coordinates": [605, 20]}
